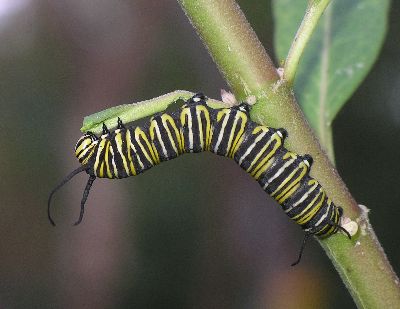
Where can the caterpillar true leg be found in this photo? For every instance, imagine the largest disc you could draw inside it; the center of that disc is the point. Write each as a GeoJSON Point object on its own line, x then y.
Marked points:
{"type": "Point", "coordinates": [303, 245]}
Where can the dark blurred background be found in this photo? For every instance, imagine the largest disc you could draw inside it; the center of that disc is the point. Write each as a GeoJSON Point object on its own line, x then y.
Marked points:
{"type": "Point", "coordinates": [196, 232]}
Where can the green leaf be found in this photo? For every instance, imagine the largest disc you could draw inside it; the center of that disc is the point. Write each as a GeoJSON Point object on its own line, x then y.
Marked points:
{"type": "Point", "coordinates": [132, 112]}
{"type": "Point", "coordinates": [342, 50]}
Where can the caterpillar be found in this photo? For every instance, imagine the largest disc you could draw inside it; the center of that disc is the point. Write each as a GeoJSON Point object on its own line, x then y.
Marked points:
{"type": "Point", "coordinates": [229, 132]}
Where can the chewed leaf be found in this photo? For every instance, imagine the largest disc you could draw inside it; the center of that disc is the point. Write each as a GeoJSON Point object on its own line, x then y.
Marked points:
{"type": "Point", "coordinates": [342, 50]}
{"type": "Point", "coordinates": [131, 112]}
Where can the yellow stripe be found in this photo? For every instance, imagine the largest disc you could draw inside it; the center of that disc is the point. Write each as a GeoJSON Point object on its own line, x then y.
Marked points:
{"type": "Point", "coordinates": [151, 129]}
{"type": "Point", "coordinates": [101, 171]}
{"type": "Point", "coordinates": [288, 194]}
{"type": "Point", "coordinates": [312, 182]}
{"type": "Point", "coordinates": [149, 153]}
{"type": "Point", "coordinates": [200, 125]}
{"type": "Point", "coordinates": [185, 113]}
{"type": "Point", "coordinates": [107, 152]}
{"type": "Point", "coordinates": [168, 119]}
{"type": "Point", "coordinates": [283, 183]}
{"type": "Point", "coordinates": [262, 151]}
{"type": "Point", "coordinates": [312, 185]}
{"type": "Point", "coordinates": [239, 135]}
{"type": "Point", "coordinates": [116, 174]}
{"type": "Point", "coordinates": [264, 168]}
{"type": "Point", "coordinates": [220, 114]}
{"type": "Point", "coordinates": [87, 156]}
{"type": "Point", "coordinates": [182, 139]}
{"type": "Point", "coordinates": [237, 145]}
{"type": "Point", "coordinates": [155, 134]}
{"type": "Point", "coordinates": [119, 142]}
{"type": "Point", "coordinates": [202, 109]}
{"type": "Point", "coordinates": [128, 146]}
{"type": "Point", "coordinates": [304, 168]}
{"type": "Point", "coordinates": [231, 136]}
{"type": "Point", "coordinates": [290, 155]}
{"type": "Point", "coordinates": [334, 217]}
{"type": "Point", "coordinates": [258, 170]}
{"type": "Point", "coordinates": [310, 214]}
{"type": "Point", "coordinates": [100, 149]}
{"type": "Point", "coordinates": [318, 196]}
{"type": "Point", "coordinates": [309, 211]}
{"type": "Point", "coordinates": [84, 144]}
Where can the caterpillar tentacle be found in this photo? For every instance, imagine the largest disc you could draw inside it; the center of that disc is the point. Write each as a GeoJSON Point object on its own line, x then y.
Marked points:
{"type": "Point", "coordinates": [196, 127]}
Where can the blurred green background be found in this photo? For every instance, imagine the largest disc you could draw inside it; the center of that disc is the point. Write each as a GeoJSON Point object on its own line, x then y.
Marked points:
{"type": "Point", "coordinates": [196, 232]}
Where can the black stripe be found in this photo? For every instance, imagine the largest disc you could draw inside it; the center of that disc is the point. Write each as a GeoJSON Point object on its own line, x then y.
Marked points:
{"type": "Point", "coordinates": [248, 139]}
{"type": "Point", "coordinates": [326, 208]}
{"type": "Point", "coordinates": [139, 153]}
{"type": "Point", "coordinates": [298, 194]}
{"type": "Point", "coordinates": [223, 148]}
{"type": "Point", "coordinates": [117, 157]}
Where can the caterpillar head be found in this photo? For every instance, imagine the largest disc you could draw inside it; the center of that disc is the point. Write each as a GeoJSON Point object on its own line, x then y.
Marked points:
{"type": "Point", "coordinates": [85, 146]}
{"type": "Point", "coordinates": [84, 150]}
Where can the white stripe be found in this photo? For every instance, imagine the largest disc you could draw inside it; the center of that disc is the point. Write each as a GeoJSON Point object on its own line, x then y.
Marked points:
{"type": "Point", "coordinates": [171, 134]}
{"type": "Point", "coordinates": [134, 153]}
{"type": "Point", "coordinates": [323, 217]}
{"type": "Point", "coordinates": [83, 153]}
{"type": "Point", "coordinates": [124, 158]}
{"type": "Point", "coordinates": [161, 140]}
{"type": "Point", "coordinates": [232, 135]}
{"type": "Point", "coordinates": [100, 150]}
{"type": "Point", "coordinates": [190, 127]}
{"type": "Point", "coordinates": [201, 133]}
{"type": "Point", "coordinates": [280, 171]}
{"type": "Point", "coordinates": [221, 133]}
{"type": "Point", "coordinates": [303, 198]}
{"type": "Point", "coordinates": [113, 160]}
{"type": "Point", "coordinates": [137, 156]}
{"type": "Point", "coordinates": [252, 147]}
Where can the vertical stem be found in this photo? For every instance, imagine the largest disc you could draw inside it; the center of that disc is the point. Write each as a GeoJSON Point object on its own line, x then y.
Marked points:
{"type": "Point", "coordinates": [232, 44]}
{"type": "Point", "coordinates": [244, 63]}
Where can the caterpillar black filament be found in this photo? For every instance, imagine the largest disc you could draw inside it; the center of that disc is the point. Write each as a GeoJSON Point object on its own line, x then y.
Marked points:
{"type": "Point", "coordinates": [229, 132]}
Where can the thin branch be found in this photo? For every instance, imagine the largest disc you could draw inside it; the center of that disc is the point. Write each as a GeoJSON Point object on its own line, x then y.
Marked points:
{"type": "Point", "coordinates": [325, 128]}
{"type": "Point", "coordinates": [314, 12]}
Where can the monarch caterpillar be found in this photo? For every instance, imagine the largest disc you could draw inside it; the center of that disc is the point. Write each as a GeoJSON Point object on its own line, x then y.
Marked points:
{"type": "Point", "coordinates": [229, 132]}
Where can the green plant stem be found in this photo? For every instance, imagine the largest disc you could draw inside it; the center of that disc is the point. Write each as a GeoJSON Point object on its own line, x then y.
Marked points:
{"type": "Point", "coordinates": [324, 124]}
{"type": "Point", "coordinates": [248, 69]}
{"type": "Point", "coordinates": [226, 42]}
{"type": "Point", "coordinates": [314, 11]}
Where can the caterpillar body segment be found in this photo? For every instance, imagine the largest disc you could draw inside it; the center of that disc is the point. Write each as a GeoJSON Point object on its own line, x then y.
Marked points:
{"type": "Point", "coordinates": [196, 126]}
{"type": "Point", "coordinates": [228, 128]}
{"type": "Point", "coordinates": [229, 132]}
{"type": "Point", "coordinates": [164, 131]}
